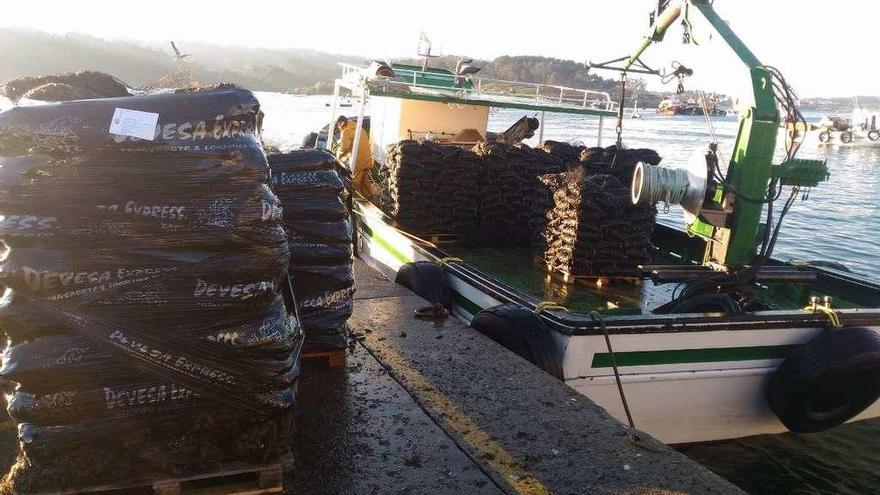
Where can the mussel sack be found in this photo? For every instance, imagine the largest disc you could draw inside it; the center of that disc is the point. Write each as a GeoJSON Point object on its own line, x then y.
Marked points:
{"type": "Point", "coordinates": [144, 259]}
{"type": "Point", "coordinates": [320, 236]}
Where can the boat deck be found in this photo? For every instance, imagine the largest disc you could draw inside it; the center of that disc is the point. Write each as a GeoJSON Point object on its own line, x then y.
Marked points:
{"type": "Point", "coordinates": [633, 296]}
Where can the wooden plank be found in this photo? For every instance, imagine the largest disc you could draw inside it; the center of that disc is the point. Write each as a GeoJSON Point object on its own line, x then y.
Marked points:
{"type": "Point", "coordinates": [235, 480]}
{"type": "Point", "coordinates": [335, 358]}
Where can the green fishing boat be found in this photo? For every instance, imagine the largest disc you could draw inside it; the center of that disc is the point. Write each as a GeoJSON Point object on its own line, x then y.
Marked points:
{"type": "Point", "coordinates": [713, 338]}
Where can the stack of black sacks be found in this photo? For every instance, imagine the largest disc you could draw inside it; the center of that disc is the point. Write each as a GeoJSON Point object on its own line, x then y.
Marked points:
{"type": "Point", "coordinates": [430, 188]}
{"type": "Point", "coordinates": [569, 204]}
{"type": "Point", "coordinates": [320, 237]}
{"type": "Point", "coordinates": [144, 291]}
{"type": "Point", "coordinates": [508, 188]}
{"type": "Point", "coordinates": [586, 222]}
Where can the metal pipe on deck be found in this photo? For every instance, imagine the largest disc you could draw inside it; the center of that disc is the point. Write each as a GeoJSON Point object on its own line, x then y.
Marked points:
{"type": "Point", "coordinates": [358, 130]}
{"type": "Point", "coordinates": [333, 109]}
{"type": "Point", "coordinates": [541, 129]}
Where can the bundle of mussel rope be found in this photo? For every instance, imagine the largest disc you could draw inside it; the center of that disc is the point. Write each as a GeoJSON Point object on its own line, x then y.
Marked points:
{"type": "Point", "coordinates": [507, 192]}
{"type": "Point", "coordinates": [602, 160]}
{"type": "Point", "coordinates": [429, 188]}
{"type": "Point", "coordinates": [571, 204]}
{"type": "Point", "coordinates": [588, 224]}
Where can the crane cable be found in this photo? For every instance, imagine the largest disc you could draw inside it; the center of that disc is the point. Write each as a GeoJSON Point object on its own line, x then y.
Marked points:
{"type": "Point", "coordinates": [619, 128]}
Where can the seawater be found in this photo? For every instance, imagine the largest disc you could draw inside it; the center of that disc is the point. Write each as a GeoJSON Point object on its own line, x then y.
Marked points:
{"type": "Point", "coordinates": [837, 222]}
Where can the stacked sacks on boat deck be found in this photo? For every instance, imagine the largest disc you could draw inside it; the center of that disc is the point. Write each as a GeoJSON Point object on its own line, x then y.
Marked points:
{"type": "Point", "coordinates": [320, 238]}
{"type": "Point", "coordinates": [508, 189]}
{"type": "Point", "coordinates": [149, 337]}
{"type": "Point", "coordinates": [569, 153]}
{"type": "Point", "coordinates": [429, 188]}
{"type": "Point", "coordinates": [602, 160]}
{"type": "Point", "coordinates": [590, 226]}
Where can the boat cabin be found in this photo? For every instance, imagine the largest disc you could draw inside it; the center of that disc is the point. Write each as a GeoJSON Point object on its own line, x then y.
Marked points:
{"type": "Point", "coordinates": [409, 102]}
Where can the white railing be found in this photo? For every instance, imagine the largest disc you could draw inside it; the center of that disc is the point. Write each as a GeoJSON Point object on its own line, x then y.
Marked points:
{"type": "Point", "coordinates": [498, 89]}
{"type": "Point", "coordinates": [545, 93]}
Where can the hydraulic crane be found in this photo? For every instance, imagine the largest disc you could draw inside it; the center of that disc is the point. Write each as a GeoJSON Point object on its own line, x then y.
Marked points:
{"type": "Point", "coordinates": [726, 209]}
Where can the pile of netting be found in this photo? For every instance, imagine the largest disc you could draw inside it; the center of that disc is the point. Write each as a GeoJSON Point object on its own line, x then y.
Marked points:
{"type": "Point", "coordinates": [570, 204]}
{"type": "Point", "coordinates": [600, 160]}
{"type": "Point", "coordinates": [64, 87]}
{"type": "Point", "coordinates": [430, 188]}
{"type": "Point", "coordinates": [320, 238]}
{"type": "Point", "coordinates": [150, 333]}
{"type": "Point", "coordinates": [508, 188]}
{"type": "Point", "coordinates": [587, 224]}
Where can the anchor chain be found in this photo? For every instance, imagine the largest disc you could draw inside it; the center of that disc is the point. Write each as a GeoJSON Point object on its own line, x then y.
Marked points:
{"type": "Point", "coordinates": [619, 128]}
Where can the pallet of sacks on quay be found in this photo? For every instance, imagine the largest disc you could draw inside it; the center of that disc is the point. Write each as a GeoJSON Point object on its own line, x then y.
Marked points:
{"type": "Point", "coordinates": [151, 338]}
{"type": "Point", "coordinates": [320, 237]}
{"type": "Point", "coordinates": [569, 204]}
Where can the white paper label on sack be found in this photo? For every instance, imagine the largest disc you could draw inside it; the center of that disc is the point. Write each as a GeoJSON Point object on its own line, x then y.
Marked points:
{"type": "Point", "coordinates": [134, 123]}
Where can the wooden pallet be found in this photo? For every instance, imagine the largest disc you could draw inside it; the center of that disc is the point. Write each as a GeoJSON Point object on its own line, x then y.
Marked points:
{"type": "Point", "coordinates": [250, 480]}
{"type": "Point", "coordinates": [335, 358]}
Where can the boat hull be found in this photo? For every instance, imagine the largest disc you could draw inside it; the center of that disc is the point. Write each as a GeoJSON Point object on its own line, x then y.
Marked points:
{"type": "Point", "coordinates": [682, 386]}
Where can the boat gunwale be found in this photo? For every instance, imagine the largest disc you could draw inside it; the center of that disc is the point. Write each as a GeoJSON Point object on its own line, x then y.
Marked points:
{"type": "Point", "coordinates": [578, 324]}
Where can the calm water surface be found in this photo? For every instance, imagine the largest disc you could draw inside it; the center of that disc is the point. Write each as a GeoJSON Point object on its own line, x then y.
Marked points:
{"type": "Point", "coordinates": [838, 222]}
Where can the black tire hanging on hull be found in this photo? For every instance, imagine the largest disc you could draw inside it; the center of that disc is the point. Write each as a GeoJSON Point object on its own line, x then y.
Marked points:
{"type": "Point", "coordinates": [827, 381]}
{"type": "Point", "coordinates": [522, 332]}
{"type": "Point", "coordinates": [428, 280]}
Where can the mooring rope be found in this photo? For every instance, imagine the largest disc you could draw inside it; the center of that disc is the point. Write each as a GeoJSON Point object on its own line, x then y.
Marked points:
{"type": "Point", "coordinates": [832, 315]}
{"type": "Point", "coordinates": [548, 305]}
{"type": "Point", "coordinates": [597, 317]}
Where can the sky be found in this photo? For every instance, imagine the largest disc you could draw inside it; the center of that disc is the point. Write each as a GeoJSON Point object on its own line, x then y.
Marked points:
{"type": "Point", "coordinates": [823, 48]}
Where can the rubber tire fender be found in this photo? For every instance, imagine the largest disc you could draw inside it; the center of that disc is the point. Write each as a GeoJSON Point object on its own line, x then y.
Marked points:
{"type": "Point", "coordinates": [824, 137]}
{"type": "Point", "coordinates": [428, 280]}
{"type": "Point", "coordinates": [846, 137]}
{"type": "Point", "coordinates": [873, 134]}
{"type": "Point", "coordinates": [840, 367]}
{"type": "Point", "coordinates": [522, 332]}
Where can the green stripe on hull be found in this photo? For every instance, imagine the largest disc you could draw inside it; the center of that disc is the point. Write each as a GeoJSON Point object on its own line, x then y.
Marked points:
{"type": "Point", "coordinates": [681, 356]}
{"type": "Point", "coordinates": [465, 303]}
{"type": "Point", "coordinates": [460, 300]}
{"type": "Point", "coordinates": [385, 245]}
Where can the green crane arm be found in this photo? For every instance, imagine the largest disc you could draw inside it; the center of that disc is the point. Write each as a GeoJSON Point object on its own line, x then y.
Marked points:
{"type": "Point", "coordinates": [749, 170]}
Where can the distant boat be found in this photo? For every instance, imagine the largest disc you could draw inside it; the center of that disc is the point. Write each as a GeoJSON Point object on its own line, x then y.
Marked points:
{"type": "Point", "coordinates": [674, 106]}
{"type": "Point", "coordinates": [863, 124]}
{"type": "Point", "coordinates": [346, 103]}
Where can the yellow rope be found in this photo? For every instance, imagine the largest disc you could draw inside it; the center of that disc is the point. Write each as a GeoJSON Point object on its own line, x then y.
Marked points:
{"type": "Point", "coordinates": [549, 305]}
{"type": "Point", "coordinates": [832, 315]}
{"type": "Point", "coordinates": [449, 259]}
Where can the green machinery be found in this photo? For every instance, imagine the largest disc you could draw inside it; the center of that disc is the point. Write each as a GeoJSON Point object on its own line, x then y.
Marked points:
{"type": "Point", "coordinates": [727, 210]}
